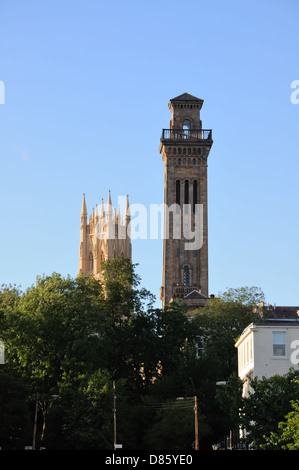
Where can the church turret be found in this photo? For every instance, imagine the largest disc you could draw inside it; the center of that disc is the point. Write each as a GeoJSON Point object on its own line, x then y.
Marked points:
{"type": "Point", "coordinates": [103, 237]}
{"type": "Point", "coordinates": [102, 210]}
{"type": "Point", "coordinates": [83, 238]}
{"type": "Point", "coordinates": [127, 212]}
{"type": "Point", "coordinates": [96, 215]}
{"type": "Point", "coordinates": [83, 211]}
{"type": "Point", "coordinates": [109, 208]}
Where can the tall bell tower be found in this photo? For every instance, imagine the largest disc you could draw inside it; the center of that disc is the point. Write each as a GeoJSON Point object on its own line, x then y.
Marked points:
{"type": "Point", "coordinates": [185, 147]}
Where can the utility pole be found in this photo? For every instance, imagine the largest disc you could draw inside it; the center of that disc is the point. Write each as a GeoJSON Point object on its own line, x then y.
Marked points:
{"type": "Point", "coordinates": [114, 415]}
{"type": "Point", "coordinates": [196, 423]}
{"type": "Point", "coordinates": [35, 423]}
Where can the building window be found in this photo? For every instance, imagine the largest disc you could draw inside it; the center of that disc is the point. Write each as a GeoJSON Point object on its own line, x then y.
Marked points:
{"type": "Point", "coordinates": [186, 276]}
{"type": "Point", "coordinates": [279, 344]}
{"type": "Point", "coordinates": [194, 195]}
{"type": "Point", "coordinates": [178, 192]}
{"type": "Point", "coordinates": [186, 192]}
{"type": "Point", "coordinates": [186, 128]}
{"type": "Point", "coordinates": [90, 262]}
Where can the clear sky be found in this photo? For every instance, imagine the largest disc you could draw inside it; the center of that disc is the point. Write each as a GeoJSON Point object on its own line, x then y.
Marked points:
{"type": "Point", "coordinates": [87, 86]}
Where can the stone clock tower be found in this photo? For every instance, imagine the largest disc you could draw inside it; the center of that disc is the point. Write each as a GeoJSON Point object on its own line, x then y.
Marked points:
{"type": "Point", "coordinates": [185, 147]}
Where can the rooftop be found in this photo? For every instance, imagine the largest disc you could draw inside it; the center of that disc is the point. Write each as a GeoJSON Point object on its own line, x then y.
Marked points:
{"type": "Point", "coordinates": [186, 97]}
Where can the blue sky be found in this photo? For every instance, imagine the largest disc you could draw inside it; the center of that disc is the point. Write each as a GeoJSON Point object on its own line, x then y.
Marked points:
{"type": "Point", "coordinates": [87, 86]}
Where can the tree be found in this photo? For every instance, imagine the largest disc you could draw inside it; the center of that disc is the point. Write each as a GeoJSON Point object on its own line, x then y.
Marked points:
{"type": "Point", "coordinates": [217, 328]}
{"type": "Point", "coordinates": [50, 334]}
{"type": "Point", "coordinates": [61, 332]}
{"type": "Point", "coordinates": [85, 414]}
{"type": "Point", "coordinates": [125, 308]}
{"type": "Point", "coordinates": [250, 296]}
{"type": "Point", "coordinates": [267, 405]}
{"type": "Point", "coordinates": [287, 435]}
{"type": "Point", "coordinates": [174, 426]}
{"type": "Point", "coordinates": [15, 420]}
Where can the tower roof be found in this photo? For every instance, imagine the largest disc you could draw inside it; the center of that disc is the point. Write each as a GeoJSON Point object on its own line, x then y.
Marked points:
{"type": "Point", "coordinates": [186, 97]}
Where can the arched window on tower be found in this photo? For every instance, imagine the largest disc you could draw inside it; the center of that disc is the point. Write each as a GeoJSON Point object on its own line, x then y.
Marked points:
{"type": "Point", "coordinates": [194, 195]}
{"type": "Point", "coordinates": [186, 128]}
{"type": "Point", "coordinates": [178, 192]}
{"type": "Point", "coordinates": [186, 276]}
{"type": "Point", "coordinates": [90, 262]}
{"type": "Point", "coordinates": [186, 192]}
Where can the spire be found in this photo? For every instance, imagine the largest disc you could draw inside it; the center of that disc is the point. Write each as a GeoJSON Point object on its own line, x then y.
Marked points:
{"type": "Point", "coordinates": [96, 214]}
{"type": "Point", "coordinates": [127, 211]}
{"type": "Point", "coordinates": [109, 209]}
{"type": "Point", "coordinates": [109, 198]}
{"type": "Point", "coordinates": [83, 208]}
{"type": "Point", "coordinates": [102, 211]}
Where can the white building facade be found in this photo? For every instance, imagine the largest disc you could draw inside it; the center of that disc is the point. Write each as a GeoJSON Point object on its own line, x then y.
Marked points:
{"type": "Point", "coordinates": [266, 349]}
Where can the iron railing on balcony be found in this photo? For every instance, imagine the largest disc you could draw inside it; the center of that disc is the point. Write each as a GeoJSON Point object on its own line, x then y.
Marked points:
{"type": "Point", "coordinates": [186, 134]}
{"type": "Point", "coordinates": [181, 291]}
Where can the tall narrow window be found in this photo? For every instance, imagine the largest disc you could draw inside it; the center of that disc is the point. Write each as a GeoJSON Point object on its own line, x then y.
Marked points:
{"type": "Point", "coordinates": [186, 276]}
{"type": "Point", "coordinates": [186, 128]}
{"type": "Point", "coordinates": [90, 262]}
{"type": "Point", "coordinates": [186, 192]}
{"type": "Point", "coordinates": [178, 192]}
{"type": "Point", "coordinates": [194, 195]}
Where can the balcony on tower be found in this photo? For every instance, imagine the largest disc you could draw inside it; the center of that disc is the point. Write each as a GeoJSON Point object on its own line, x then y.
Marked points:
{"type": "Point", "coordinates": [186, 134]}
{"type": "Point", "coordinates": [192, 295]}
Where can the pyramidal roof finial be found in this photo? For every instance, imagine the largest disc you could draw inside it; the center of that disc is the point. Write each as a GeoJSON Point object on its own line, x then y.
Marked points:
{"type": "Point", "coordinates": [109, 209]}
{"type": "Point", "coordinates": [127, 211]}
{"type": "Point", "coordinates": [83, 208]}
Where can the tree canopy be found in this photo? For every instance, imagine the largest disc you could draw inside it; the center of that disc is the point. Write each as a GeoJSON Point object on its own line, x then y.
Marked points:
{"type": "Point", "coordinates": [68, 340]}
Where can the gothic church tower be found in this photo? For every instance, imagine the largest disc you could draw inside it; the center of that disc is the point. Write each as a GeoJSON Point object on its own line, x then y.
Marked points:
{"type": "Point", "coordinates": [105, 236]}
{"type": "Point", "coordinates": [185, 147]}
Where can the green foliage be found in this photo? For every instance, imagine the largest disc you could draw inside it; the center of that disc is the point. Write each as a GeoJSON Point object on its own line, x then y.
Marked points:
{"type": "Point", "coordinates": [229, 397]}
{"type": "Point", "coordinates": [174, 426]}
{"type": "Point", "coordinates": [217, 327]}
{"type": "Point", "coordinates": [267, 405]}
{"type": "Point", "coordinates": [86, 418]}
{"type": "Point", "coordinates": [249, 296]}
{"type": "Point", "coordinates": [73, 337]}
{"type": "Point", "coordinates": [287, 435]}
{"type": "Point", "coordinates": [14, 412]}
